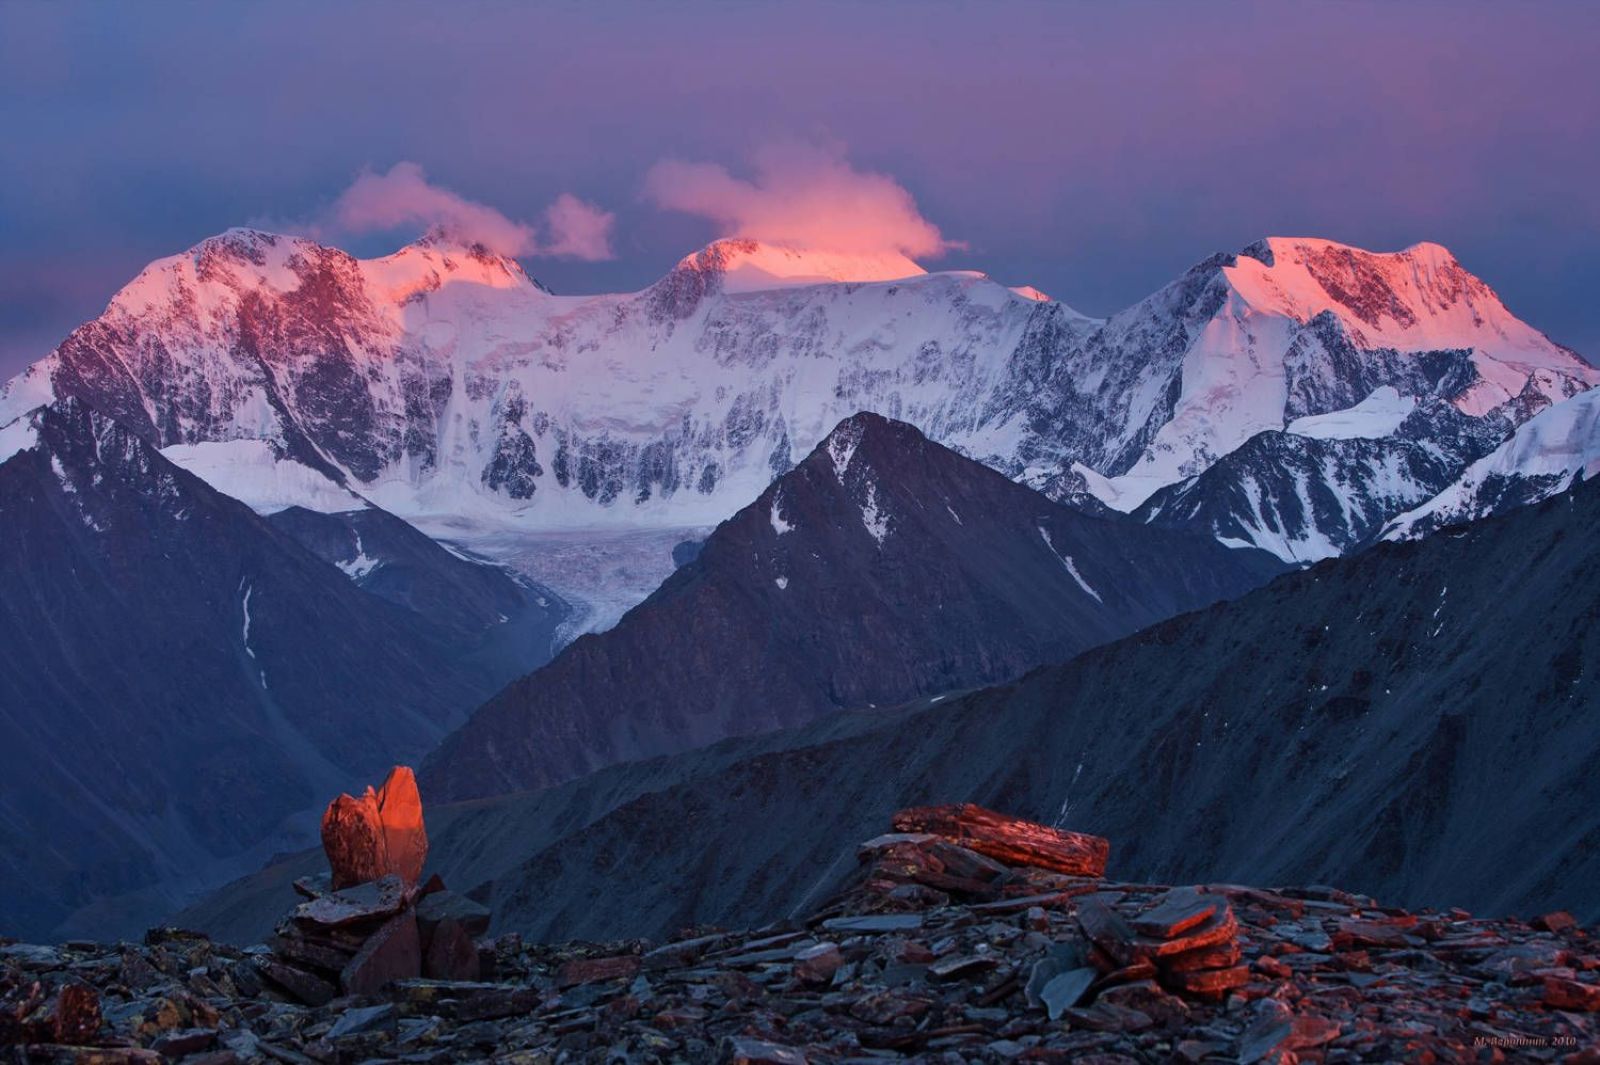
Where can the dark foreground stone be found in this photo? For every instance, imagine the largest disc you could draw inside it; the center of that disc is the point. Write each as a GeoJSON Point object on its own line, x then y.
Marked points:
{"type": "Point", "coordinates": [939, 952]}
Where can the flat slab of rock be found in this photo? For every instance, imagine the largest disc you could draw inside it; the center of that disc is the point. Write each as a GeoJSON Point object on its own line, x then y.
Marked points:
{"type": "Point", "coordinates": [593, 970]}
{"type": "Point", "coordinates": [307, 987]}
{"type": "Point", "coordinates": [1176, 911]}
{"type": "Point", "coordinates": [1065, 990]}
{"type": "Point", "coordinates": [743, 1050]}
{"type": "Point", "coordinates": [363, 902]}
{"type": "Point", "coordinates": [1117, 938]}
{"type": "Point", "coordinates": [449, 905]}
{"type": "Point", "coordinates": [1009, 839]}
{"type": "Point", "coordinates": [869, 923]}
{"type": "Point", "coordinates": [1208, 982]}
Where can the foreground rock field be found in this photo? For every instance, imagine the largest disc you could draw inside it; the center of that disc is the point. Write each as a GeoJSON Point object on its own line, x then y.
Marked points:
{"type": "Point", "coordinates": [966, 937]}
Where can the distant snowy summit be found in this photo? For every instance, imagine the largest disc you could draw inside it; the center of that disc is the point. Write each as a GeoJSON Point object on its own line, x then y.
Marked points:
{"type": "Point", "coordinates": [752, 266]}
{"type": "Point", "coordinates": [442, 379]}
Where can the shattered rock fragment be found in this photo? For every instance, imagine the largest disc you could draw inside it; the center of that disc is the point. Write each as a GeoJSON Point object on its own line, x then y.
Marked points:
{"type": "Point", "coordinates": [1008, 839]}
{"type": "Point", "coordinates": [379, 834]}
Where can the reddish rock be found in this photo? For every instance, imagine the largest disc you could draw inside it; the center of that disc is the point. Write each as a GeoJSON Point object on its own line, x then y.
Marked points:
{"type": "Point", "coordinates": [1361, 933]}
{"type": "Point", "coordinates": [1217, 929]}
{"type": "Point", "coordinates": [816, 964]}
{"type": "Point", "coordinates": [76, 1017]}
{"type": "Point", "coordinates": [1176, 911]}
{"type": "Point", "coordinates": [1221, 956]}
{"type": "Point", "coordinates": [380, 833]}
{"type": "Point", "coordinates": [1559, 921]}
{"type": "Point", "coordinates": [1209, 982]}
{"type": "Point", "coordinates": [1009, 839]}
{"type": "Point", "coordinates": [1107, 930]}
{"type": "Point", "coordinates": [451, 953]}
{"type": "Point", "coordinates": [593, 970]}
{"type": "Point", "coordinates": [1564, 994]}
{"type": "Point", "coordinates": [1148, 998]}
{"type": "Point", "coordinates": [392, 953]}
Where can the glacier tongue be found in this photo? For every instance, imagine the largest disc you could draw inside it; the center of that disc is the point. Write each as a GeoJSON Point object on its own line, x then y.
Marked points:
{"type": "Point", "coordinates": [1379, 415]}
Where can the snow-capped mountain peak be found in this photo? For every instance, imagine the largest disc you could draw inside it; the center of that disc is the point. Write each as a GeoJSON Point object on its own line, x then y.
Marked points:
{"type": "Point", "coordinates": [1418, 299]}
{"type": "Point", "coordinates": [442, 380]}
{"type": "Point", "coordinates": [1296, 327]}
{"type": "Point", "coordinates": [1548, 454]}
{"type": "Point", "coordinates": [750, 266]}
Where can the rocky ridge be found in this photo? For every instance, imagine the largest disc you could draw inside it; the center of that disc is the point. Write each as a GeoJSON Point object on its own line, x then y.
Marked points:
{"type": "Point", "coordinates": [937, 951]}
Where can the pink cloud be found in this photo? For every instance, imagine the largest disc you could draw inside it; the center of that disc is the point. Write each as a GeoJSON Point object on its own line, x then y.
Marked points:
{"type": "Point", "coordinates": [578, 230]}
{"type": "Point", "coordinates": [404, 197]}
{"type": "Point", "coordinates": [803, 195]}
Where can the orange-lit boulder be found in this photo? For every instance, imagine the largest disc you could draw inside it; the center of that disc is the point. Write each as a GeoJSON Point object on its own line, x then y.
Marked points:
{"type": "Point", "coordinates": [380, 833]}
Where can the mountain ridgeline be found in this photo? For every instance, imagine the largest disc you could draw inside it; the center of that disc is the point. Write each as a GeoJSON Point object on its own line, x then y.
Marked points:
{"type": "Point", "coordinates": [442, 379]}
{"type": "Point", "coordinates": [1418, 722]}
{"type": "Point", "coordinates": [884, 566]}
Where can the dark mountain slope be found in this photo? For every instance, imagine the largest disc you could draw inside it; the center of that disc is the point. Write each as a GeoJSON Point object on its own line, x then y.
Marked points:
{"type": "Point", "coordinates": [177, 677]}
{"type": "Point", "coordinates": [472, 600]}
{"type": "Point", "coordinates": [1419, 722]}
{"type": "Point", "coordinates": [881, 568]}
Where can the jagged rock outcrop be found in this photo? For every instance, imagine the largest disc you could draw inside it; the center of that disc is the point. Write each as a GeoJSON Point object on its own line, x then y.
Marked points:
{"type": "Point", "coordinates": [380, 834]}
{"type": "Point", "coordinates": [934, 953]}
{"type": "Point", "coordinates": [371, 921]}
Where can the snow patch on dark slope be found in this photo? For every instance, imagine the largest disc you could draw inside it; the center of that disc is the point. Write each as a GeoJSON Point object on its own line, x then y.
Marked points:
{"type": "Point", "coordinates": [178, 679]}
{"type": "Point", "coordinates": [882, 567]}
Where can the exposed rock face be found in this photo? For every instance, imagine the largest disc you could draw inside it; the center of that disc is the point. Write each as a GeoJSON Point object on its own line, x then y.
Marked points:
{"type": "Point", "coordinates": [379, 834]}
{"type": "Point", "coordinates": [1014, 962]}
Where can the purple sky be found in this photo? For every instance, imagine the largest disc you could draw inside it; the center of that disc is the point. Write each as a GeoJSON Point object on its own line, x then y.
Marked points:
{"type": "Point", "coordinates": [1093, 150]}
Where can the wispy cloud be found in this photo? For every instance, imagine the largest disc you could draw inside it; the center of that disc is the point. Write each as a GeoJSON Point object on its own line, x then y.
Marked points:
{"type": "Point", "coordinates": [577, 230]}
{"type": "Point", "coordinates": [404, 198]}
{"type": "Point", "coordinates": [801, 194]}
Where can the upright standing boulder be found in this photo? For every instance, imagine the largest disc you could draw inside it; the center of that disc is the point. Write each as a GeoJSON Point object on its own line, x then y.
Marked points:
{"type": "Point", "coordinates": [379, 834]}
